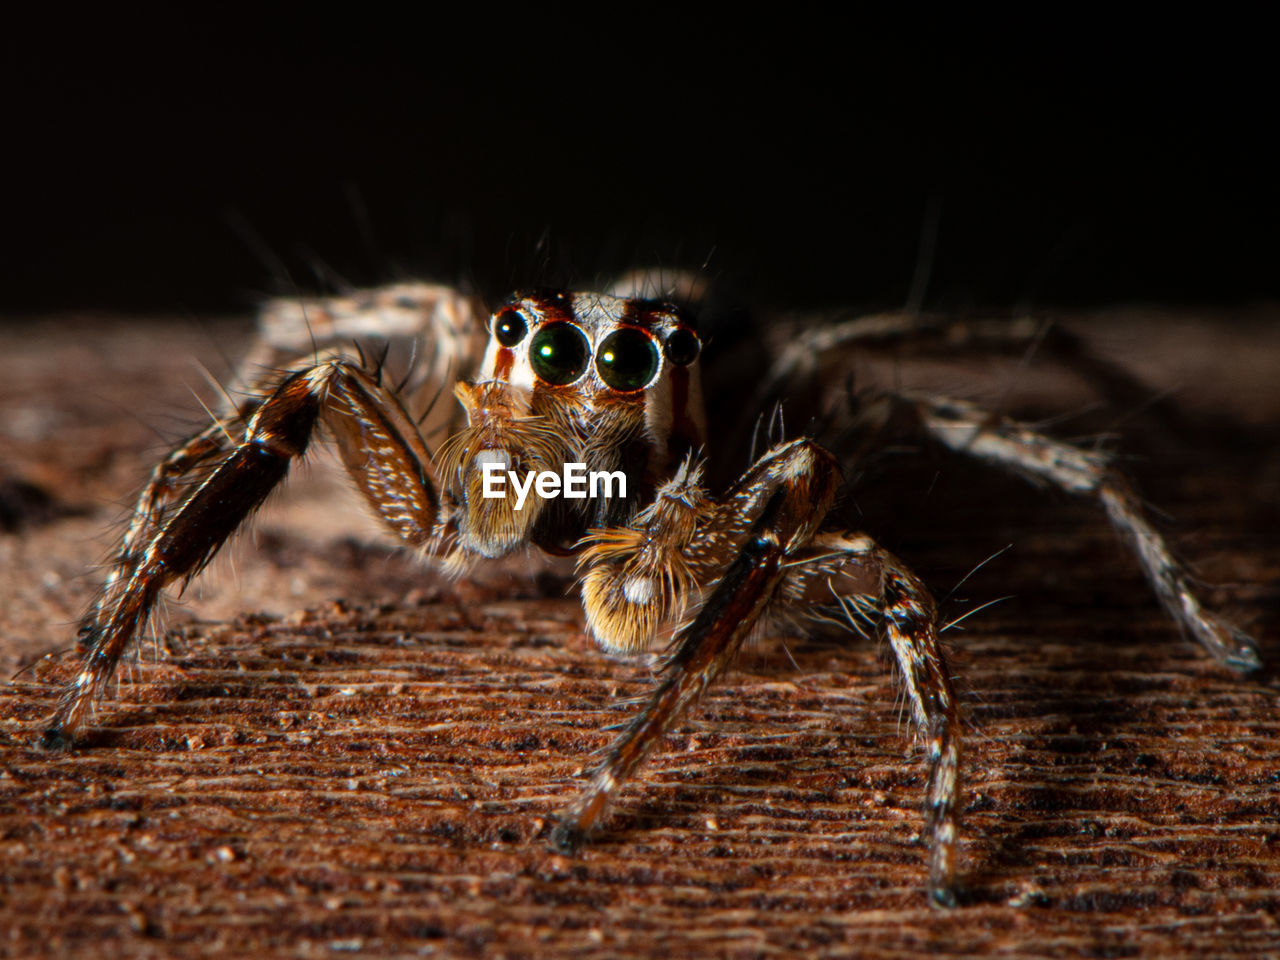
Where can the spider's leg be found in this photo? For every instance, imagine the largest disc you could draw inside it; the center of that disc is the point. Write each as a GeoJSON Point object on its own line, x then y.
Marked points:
{"type": "Point", "coordinates": [965, 428]}
{"type": "Point", "coordinates": [294, 333]}
{"type": "Point", "coordinates": [289, 327]}
{"type": "Point", "coordinates": [165, 483]}
{"type": "Point", "coordinates": [689, 288]}
{"type": "Point", "coordinates": [380, 447]}
{"type": "Point", "coordinates": [768, 518]}
{"type": "Point", "coordinates": [445, 326]}
{"type": "Point", "coordinates": [857, 576]}
{"type": "Point", "coordinates": [805, 348]}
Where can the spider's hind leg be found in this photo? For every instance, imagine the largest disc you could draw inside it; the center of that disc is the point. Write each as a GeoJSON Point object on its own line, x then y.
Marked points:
{"type": "Point", "coordinates": [444, 326]}
{"type": "Point", "coordinates": [967, 429]}
{"type": "Point", "coordinates": [804, 351]}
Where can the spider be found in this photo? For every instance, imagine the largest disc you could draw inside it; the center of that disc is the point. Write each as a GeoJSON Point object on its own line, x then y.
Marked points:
{"type": "Point", "coordinates": [610, 381]}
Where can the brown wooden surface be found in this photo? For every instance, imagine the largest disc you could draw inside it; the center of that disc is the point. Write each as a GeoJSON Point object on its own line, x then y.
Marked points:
{"type": "Point", "coordinates": [307, 777]}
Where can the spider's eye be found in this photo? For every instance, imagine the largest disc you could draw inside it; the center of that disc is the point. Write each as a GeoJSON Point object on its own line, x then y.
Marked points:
{"type": "Point", "coordinates": [509, 327]}
{"type": "Point", "coordinates": [627, 359]}
{"type": "Point", "coordinates": [682, 347]}
{"type": "Point", "coordinates": [558, 353]}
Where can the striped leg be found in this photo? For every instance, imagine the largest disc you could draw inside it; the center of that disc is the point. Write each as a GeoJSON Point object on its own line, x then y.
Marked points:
{"type": "Point", "coordinates": [292, 332]}
{"type": "Point", "coordinates": [802, 352]}
{"type": "Point", "coordinates": [165, 483]}
{"type": "Point", "coordinates": [637, 576]}
{"type": "Point", "coordinates": [967, 429]}
{"type": "Point", "coordinates": [862, 578]}
{"type": "Point", "coordinates": [445, 323]}
{"type": "Point", "coordinates": [770, 517]}
{"type": "Point", "coordinates": [380, 448]}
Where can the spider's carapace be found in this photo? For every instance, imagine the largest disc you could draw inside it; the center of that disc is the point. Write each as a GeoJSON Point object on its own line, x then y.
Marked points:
{"type": "Point", "coordinates": [608, 382]}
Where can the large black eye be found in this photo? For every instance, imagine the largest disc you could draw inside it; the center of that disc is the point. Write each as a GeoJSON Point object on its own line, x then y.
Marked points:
{"type": "Point", "coordinates": [509, 327]}
{"type": "Point", "coordinates": [627, 359]}
{"type": "Point", "coordinates": [558, 353]}
{"type": "Point", "coordinates": [682, 347]}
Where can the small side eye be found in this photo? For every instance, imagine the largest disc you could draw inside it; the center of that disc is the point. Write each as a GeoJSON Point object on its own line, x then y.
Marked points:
{"type": "Point", "coordinates": [509, 326]}
{"type": "Point", "coordinates": [558, 353]}
{"type": "Point", "coordinates": [682, 347]}
{"type": "Point", "coordinates": [627, 360]}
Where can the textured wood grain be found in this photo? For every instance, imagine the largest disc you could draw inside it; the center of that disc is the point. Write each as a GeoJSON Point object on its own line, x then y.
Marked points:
{"type": "Point", "coordinates": [304, 776]}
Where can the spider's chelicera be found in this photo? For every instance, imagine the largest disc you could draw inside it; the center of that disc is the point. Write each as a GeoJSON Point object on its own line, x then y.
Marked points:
{"type": "Point", "coordinates": [600, 386]}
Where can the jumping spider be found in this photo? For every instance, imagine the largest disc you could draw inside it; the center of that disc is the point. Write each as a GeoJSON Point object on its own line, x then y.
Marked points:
{"type": "Point", "coordinates": [611, 381]}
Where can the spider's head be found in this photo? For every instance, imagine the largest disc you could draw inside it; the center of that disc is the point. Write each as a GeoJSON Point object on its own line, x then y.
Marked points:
{"type": "Point", "coordinates": [568, 378]}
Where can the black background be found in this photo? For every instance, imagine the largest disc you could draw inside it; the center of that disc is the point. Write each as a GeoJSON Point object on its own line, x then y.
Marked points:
{"type": "Point", "coordinates": [167, 163]}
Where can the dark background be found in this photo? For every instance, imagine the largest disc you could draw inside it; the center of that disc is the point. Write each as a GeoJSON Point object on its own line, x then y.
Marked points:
{"type": "Point", "coordinates": [165, 163]}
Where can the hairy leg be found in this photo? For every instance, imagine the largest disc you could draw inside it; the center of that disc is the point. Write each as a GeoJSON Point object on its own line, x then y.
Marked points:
{"type": "Point", "coordinates": [165, 484]}
{"type": "Point", "coordinates": [851, 572]}
{"type": "Point", "coordinates": [379, 446]}
{"type": "Point", "coordinates": [748, 538]}
{"type": "Point", "coordinates": [444, 326]}
{"type": "Point", "coordinates": [967, 429]}
{"type": "Point", "coordinates": [804, 350]}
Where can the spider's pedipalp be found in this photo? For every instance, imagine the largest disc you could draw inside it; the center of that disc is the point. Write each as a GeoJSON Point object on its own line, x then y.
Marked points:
{"type": "Point", "coordinates": [640, 577]}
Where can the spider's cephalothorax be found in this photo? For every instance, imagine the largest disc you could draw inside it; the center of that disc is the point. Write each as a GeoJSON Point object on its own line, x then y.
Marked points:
{"type": "Point", "coordinates": [571, 378]}
{"type": "Point", "coordinates": [608, 383]}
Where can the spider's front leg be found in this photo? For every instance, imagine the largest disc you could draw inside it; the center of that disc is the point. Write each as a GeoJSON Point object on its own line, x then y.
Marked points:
{"type": "Point", "coordinates": [291, 334]}
{"type": "Point", "coordinates": [757, 549]}
{"type": "Point", "coordinates": [739, 551]}
{"type": "Point", "coordinates": [853, 573]}
{"type": "Point", "coordinates": [149, 509]}
{"type": "Point", "coordinates": [379, 444]}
